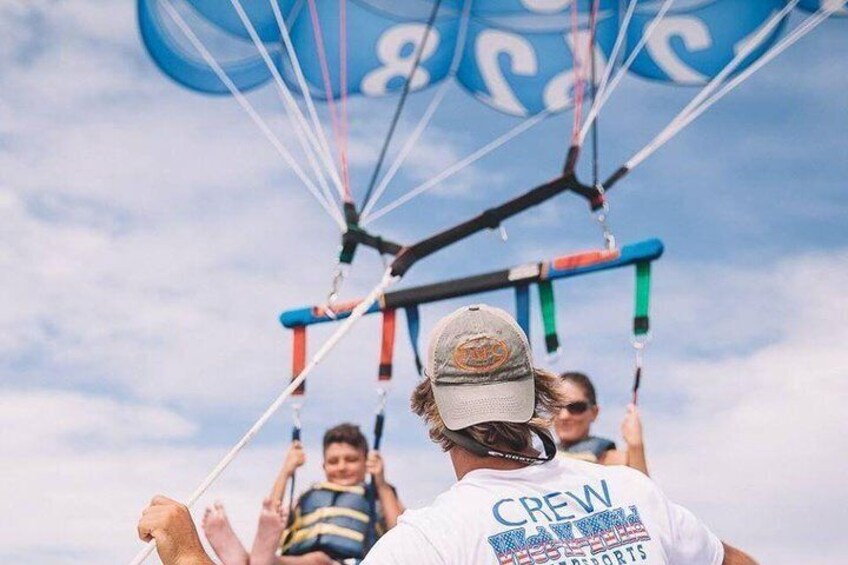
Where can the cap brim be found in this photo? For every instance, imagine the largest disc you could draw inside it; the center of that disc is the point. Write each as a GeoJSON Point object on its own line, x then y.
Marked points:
{"type": "Point", "coordinates": [461, 406]}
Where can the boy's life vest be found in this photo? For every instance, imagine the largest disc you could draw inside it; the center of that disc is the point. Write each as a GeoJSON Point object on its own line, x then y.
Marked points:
{"type": "Point", "coordinates": [333, 519]}
{"type": "Point", "coordinates": [589, 449]}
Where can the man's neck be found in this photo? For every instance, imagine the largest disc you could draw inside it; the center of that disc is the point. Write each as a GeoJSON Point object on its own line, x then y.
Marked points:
{"type": "Point", "coordinates": [464, 462]}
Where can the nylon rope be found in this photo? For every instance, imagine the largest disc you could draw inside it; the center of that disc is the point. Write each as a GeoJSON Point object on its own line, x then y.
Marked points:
{"type": "Point", "coordinates": [328, 92]}
{"type": "Point", "coordinates": [427, 117]}
{"type": "Point", "coordinates": [306, 92]}
{"type": "Point", "coordinates": [737, 60]}
{"type": "Point", "coordinates": [608, 88]}
{"type": "Point", "coordinates": [252, 113]}
{"type": "Point", "coordinates": [303, 133]}
{"type": "Point", "coordinates": [460, 165]}
{"type": "Point", "coordinates": [595, 124]}
{"type": "Point", "coordinates": [343, 84]}
{"type": "Point", "coordinates": [808, 25]}
{"type": "Point", "coordinates": [407, 87]}
{"type": "Point", "coordinates": [357, 313]}
{"type": "Point", "coordinates": [579, 86]}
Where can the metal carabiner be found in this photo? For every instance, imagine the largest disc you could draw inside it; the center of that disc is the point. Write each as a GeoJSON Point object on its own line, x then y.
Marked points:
{"type": "Point", "coordinates": [602, 217]}
{"type": "Point", "coordinates": [335, 288]}
{"type": "Point", "coordinates": [382, 399]}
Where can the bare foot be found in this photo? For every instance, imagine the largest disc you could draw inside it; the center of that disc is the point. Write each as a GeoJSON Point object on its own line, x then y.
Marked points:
{"type": "Point", "coordinates": [222, 538]}
{"type": "Point", "coordinates": [272, 522]}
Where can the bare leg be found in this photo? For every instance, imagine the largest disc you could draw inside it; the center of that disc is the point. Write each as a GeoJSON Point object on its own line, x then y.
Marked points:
{"type": "Point", "coordinates": [222, 538]}
{"type": "Point", "coordinates": [272, 522]}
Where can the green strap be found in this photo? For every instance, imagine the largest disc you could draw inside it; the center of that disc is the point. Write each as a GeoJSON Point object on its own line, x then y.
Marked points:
{"type": "Point", "coordinates": [641, 323]}
{"type": "Point", "coordinates": [546, 298]}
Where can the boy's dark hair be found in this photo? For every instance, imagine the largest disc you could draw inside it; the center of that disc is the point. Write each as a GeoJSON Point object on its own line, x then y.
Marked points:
{"type": "Point", "coordinates": [349, 434]}
{"type": "Point", "coordinates": [581, 380]}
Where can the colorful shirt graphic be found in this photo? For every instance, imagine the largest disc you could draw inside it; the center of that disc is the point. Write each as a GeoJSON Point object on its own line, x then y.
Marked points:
{"type": "Point", "coordinates": [566, 512]}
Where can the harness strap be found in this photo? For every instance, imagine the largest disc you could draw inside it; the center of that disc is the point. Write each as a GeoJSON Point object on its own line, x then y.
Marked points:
{"type": "Point", "coordinates": [641, 323]}
{"type": "Point", "coordinates": [546, 298]}
{"type": "Point", "coordinates": [388, 346]}
{"type": "Point", "coordinates": [413, 324]}
{"type": "Point", "coordinates": [299, 358]}
{"type": "Point", "coordinates": [522, 308]}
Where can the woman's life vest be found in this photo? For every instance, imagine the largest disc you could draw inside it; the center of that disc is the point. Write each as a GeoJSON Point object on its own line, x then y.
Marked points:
{"type": "Point", "coordinates": [589, 449]}
{"type": "Point", "coordinates": [330, 518]}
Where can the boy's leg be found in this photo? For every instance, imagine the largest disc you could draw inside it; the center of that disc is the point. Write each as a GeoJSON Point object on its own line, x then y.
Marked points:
{"type": "Point", "coordinates": [222, 538]}
{"type": "Point", "coordinates": [272, 522]}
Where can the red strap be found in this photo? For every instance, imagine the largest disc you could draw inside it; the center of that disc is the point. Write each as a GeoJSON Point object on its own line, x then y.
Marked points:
{"type": "Point", "coordinates": [299, 357]}
{"type": "Point", "coordinates": [388, 348]}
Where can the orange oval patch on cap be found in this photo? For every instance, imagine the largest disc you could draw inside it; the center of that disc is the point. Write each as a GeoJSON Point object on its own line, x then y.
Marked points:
{"type": "Point", "coordinates": [481, 354]}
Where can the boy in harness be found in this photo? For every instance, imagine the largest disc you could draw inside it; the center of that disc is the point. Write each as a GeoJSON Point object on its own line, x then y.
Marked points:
{"type": "Point", "coordinates": [334, 521]}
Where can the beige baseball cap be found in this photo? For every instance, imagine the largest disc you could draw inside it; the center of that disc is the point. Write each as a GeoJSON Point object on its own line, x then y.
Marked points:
{"type": "Point", "coordinates": [481, 369]}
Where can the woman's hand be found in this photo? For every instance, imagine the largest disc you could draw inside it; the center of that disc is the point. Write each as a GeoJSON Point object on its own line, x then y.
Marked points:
{"type": "Point", "coordinates": [631, 427]}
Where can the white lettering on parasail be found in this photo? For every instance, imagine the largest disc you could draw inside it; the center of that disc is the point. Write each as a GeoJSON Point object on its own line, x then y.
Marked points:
{"type": "Point", "coordinates": [398, 60]}
{"type": "Point", "coordinates": [695, 36]}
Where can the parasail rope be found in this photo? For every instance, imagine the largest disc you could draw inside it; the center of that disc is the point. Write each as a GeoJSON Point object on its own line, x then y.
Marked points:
{"type": "Point", "coordinates": [328, 92]}
{"type": "Point", "coordinates": [355, 315]}
{"type": "Point", "coordinates": [343, 84]}
{"type": "Point", "coordinates": [304, 135]}
{"type": "Point", "coordinates": [407, 87]}
{"type": "Point", "coordinates": [307, 95]}
{"type": "Point", "coordinates": [427, 117]}
{"type": "Point", "coordinates": [459, 165]}
{"type": "Point", "coordinates": [580, 80]}
{"type": "Point", "coordinates": [251, 111]}
{"type": "Point", "coordinates": [681, 122]}
{"type": "Point", "coordinates": [606, 89]}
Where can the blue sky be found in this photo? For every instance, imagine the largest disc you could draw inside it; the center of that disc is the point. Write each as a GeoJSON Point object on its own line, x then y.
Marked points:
{"type": "Point", "coordinates": [149, 238]}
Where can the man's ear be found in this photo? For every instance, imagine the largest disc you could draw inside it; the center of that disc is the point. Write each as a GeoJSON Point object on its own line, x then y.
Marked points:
{"type": "Point", "coordinates": [595, 409]}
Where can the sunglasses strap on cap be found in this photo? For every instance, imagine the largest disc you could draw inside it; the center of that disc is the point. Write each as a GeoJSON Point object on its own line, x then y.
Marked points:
{"type": "Point", "coordinates": [470, 444]}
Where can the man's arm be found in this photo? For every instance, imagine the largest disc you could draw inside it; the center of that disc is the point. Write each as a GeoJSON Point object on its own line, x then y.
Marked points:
{"type": "Point", "coordinates": [733, 556]}
{"type": "Point", "coordinates": [170, 524]}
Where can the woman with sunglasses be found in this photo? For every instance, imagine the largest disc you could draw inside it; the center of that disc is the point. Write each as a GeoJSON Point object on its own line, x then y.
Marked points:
{"type": "Point", "coordinates": [574, 422]}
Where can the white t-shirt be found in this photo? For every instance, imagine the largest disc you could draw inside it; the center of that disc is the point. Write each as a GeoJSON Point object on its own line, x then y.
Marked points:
{"type": "Point", "coordinates": [565, 512]}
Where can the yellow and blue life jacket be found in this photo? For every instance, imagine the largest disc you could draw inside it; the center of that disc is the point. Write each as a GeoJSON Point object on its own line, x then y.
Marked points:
{"type": "Point", "coordinates": [330, 518]}
{"type": "Point", "coordinates": [588, 449]}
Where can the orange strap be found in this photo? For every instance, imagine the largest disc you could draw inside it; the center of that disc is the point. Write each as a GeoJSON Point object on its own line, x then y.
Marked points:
{"type": "Point", "coordinates": [585, 259]}
{"type": "Point", "coordinates": [299, 357]}
{"type": "Point", "coordinates": [388, 348]}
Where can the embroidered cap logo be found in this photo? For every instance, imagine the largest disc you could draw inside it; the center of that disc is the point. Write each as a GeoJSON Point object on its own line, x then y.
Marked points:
{"type": "Point", "coordinates": [481, 354]}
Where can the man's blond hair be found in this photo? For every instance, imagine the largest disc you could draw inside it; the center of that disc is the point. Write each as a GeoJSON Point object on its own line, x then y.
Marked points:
{"type": "Point", "coordinates": [514, 437]}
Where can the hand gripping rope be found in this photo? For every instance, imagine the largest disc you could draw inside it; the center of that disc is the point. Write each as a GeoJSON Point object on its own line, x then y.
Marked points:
{"type": "Point", "coordinates": [384, 377]}
{"type": "Point", "coordinates": [352, 317]}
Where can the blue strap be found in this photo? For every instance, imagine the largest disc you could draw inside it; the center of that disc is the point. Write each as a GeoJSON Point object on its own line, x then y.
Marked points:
{"type": "Point", "coordinates": [413, 324]}
{"type": "Point", "coordinates": [522, 308]}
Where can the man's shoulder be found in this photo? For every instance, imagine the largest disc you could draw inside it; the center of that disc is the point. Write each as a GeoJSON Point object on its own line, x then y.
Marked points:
{"type": "Point", "coordinates": [621, 473]}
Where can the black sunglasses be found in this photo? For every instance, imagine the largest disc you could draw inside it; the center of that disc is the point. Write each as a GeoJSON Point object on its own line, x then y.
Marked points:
{"type": "Point", "coordinates": [577, 407]}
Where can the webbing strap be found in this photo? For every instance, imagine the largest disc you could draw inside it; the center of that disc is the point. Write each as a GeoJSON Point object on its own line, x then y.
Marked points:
{"type": "Point", "coordinates": [641, 324]}
{"type": "Point", "coordinates": [388, 346]}
{"type": "Point", "coordinates": [413, 324]}
{"type": "Point", "coordinates": [299, 357]}
{"type": "Point", "coordinates": [522, 308]}
{"type": "Point", "coordinates": [546, 298]}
